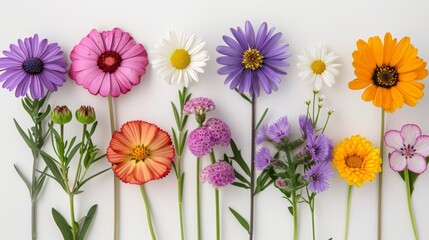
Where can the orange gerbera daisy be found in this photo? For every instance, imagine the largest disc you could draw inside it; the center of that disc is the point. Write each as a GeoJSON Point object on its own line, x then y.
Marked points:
{"type": "Point", "coordinates": [389, 71]}
{"type": "Point", "coordinates": [140, 152]}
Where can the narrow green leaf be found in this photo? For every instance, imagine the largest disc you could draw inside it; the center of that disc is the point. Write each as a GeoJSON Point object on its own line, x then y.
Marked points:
{"type": "Point", "coordinates": [27, 183]}
{"type": "Point", "coordinates": [243, 96]}
{"type": "Point", "coordinates": [43, 115]}
{"type": "Point", "coordinates": [51, 163]}
{"type": "Point", "coordinates": [93, 176]}
{"type": "Point", "coordinates": [239, 184]}
{"type": "Point", "coordinates": [62, 224]}
{"type": "Point", "coordinates": [240, 219]}
{"type": "Point", "coordinates": [39, 183]}
{"type": "Point", "coordinates": [241, 178]}
{"type": "Point", "coordinates": [176, 145]}
{"type": "Point", "coordinates": [93, 128]}
{"type": "Point", "coordinates": [176, 114]}
{"type": "Point", "coordinates": [71, 145]}
{"type": "Point", "coordinates": [185, 120]}
{"type": "Point", "coordinates": [183, 142]}
{"type": "Point", "coordinates": [261, 119]}
{"type": "Point", "coordinates": [71, 154]}
{"type": "Point", "coordinates": [238, 158]}
{"type": "Point", "coordinates": [188, 97]}
{"type": "Point", "coordinates": [24, 136]}
{"type": "Point", "coordinates": [290, 210]}
{"type": "Point", "coordinates": [86, 222]}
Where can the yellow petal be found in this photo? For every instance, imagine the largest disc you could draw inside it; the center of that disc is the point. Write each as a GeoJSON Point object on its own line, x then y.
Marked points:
{"type": "Point", "coordinates": [407, 77]}
{"type": "Point", "coordinates": [369, 93]}
{"type": "Point", "coordinates": [398, 99]}
{"type": "Point", "coordinates": [377, 47]}
{"type": "Point", "coordinates": [412, 65]}
{"type": "Point", "coordinates": [389, 48]}
{"type": "Point", "coordinates": [411, 89]}
{"type": "Point", "coordinates": [358, 84]}
{"type": "Point", "coordinates": [399, 51]}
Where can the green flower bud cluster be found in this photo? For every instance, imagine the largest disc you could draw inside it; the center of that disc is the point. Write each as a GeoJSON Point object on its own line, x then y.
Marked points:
{"type": "Point", "coordinates": [62, 115]}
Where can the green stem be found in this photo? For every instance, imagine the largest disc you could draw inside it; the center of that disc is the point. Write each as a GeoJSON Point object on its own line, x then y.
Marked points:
{"type": "Point", "coordinates": [380, 178]}
{"type": "Point", "coordinates": [148, 215]}
{"type": "Point", "coordinates": [410, 204]}
{"type": "Point", "coordinates": [312, 217]}
{"type": "Point", "coordinates": [115, 181]}
{"type": "Point", "coordinates": [295, 215]}
{"type": "Point", "coordinates": [33, 219]}
{"type": "Point", "coordinates": [197, 178]}
{"type": "Point", "coordinates": [314, 104]}
{"type": "Point", "coordinates": [326, 123]}
{"type": "Point", "coordinates": [213, 160]}
{"type": "Point", "coordinates": [73, 221]}
{"type": "Point", "coordinates": [252, 167]}
{"type": "Point", "coordinates": [349, 194]}
{"type": "Point", "coordinates": [79, 165]}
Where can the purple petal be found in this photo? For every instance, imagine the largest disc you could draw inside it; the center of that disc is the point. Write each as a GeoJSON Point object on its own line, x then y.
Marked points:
{"type": "Point", "coordinates": [9, 63]}
{"type": "Point", "coordinates": [232, 43]}
{"type": "Point", "coordinates": [417, 164]}
{"type": "Point", "coordinates": [229, 51]}
{"type": "Point", "coordinates": [13, 80]}
{"type": "Point", "coordinates": [270, 44]}
{"type": "Point", "coordinates": [239, 36]}
{"type": "Point", "coordinates": [264, 82]}
{"type": "Point", "coordinates": [41, 48]}
{"type": "Point", "coordinates": [250, 34]}
{"type": "Point", "coordinates": [393, 139]}
{"type": "Point", "coordinates": [397, 162]}
{"type": "Point", "coordinates": [271, 75]}
{"type": "Point", "coordinates": [255, 86]}
{"type": "Point", "coordinates": [17, 51]}
{"type": "Point", "coordinates": [236, 81]}
{"type": "Point", "coordinates": [13, 55]}
{"type": "Point", "coordinates": [229, 69]}
{"type": "Point", "coordinates": [261, 35]}
{"type": "Point", "coordinates": [276, 70]}
{"type": "Point", "coordinates": [232, 76]}
{"type": "Point", "coordinates": [277, 63]}
{"type": "Point", "coordinates": [410, 133]}
{"type": "Point", "coordinates": [22, 87]}
{"type": "Point", "coordinates": [228, 60]}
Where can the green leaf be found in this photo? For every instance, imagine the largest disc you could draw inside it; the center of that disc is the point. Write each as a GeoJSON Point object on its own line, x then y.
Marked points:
{"type": "Point", "coordinates": [62, 224]}
{"type": "Point", "coordinates": [51, 163]}
{"type": "Point", "coordinates": [240, 219]}
{"type": "Point", "coordinates": [238, 158]}
{"type": "Point", "coordinates": [241, 178]}
{"type": "Point", "coordinates": [176, 145]}
{"type": "Point", "coordinates": [290, 210]}
{"type": "Point", "coordinates": [413, 178]}
{"type": "Point", "coordinates": [176, 114]}
{"type": "Point", "coordinates": [93, 176]}
{"type": "Point", "coordinates": [94, 126]}
{"type": "Point", "coordinates": [24, 136]}
{"type": "Point", "coordinates": [262, 118]}
{"type": "Point", "coordinates": [183, 142]}
{"type": "Point", "coordinates": [86, 222]}
{"type": "Point", "coordinates": [39, 183]}
{"type": "Point", "coordinates": [43, 115]}
{"type": "Point", "coordinates": [243, 96]}
{"type": "Point", "coordinates": [27, 183]}
{"type": "Point", "coordinates": [242, 185]}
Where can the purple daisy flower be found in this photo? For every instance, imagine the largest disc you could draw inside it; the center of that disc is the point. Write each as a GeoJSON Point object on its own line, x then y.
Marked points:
{"type": "Point", "coordinates": [200, 142]}
{"type": "Point", "coordinates": [261, 134]}
{"type": "Point", "coordinates": [34, 66]}
{"type": "Point", "coordinates": [318, 177]}
{"type": "Point", "coordinates": [218, 174]}
{"type": "Point", "coordinates": [306, 125]}
{"type": "Point", "coordinates": [263, 158]}
{"type": "Point", "coordinates": [200, 105]}
{"type": "Point", "coordinates": [279, 130]}
{"type": "Point", "coordinates": [320, 147]}
{"type": "Point", "coordinates": [220, 132]}
{"type": "Point", "coordinates": [253, 60]}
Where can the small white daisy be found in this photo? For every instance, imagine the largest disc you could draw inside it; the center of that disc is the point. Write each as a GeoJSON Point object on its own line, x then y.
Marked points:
{"type": "Point", "coordinates": [318, 66]}
{"type": "Point", "coordinates": [179, 58]}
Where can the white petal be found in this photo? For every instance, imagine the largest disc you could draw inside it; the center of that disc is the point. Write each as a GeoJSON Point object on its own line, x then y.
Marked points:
{"type": "Point", "coordinates": [330, 57]}
{"type": "Point", "coordinates": [332, 70]}
{"type": "Point", "coordinates": [417, 164]}
{"type": "Point", "coordinates": [328, 78]}
{"type": "Point", "coordinates": [422, 145]}
{"type": "Point", "coordinates": [318, 83]}
{"type": "Point", "coordinates": [410, 133]}
{"type": "Point", "coordinates": [397, 162]}
{"type": "Point", "coordinates": [189, 42]}
{"type": "Point", "coordinates": [393, 139]}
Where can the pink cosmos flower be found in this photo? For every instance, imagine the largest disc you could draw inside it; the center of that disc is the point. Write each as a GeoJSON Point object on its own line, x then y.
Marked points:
{"type": "Point", "coordinates": [108, 63]}
{"type": "Point", "coordinates": [411, 149]}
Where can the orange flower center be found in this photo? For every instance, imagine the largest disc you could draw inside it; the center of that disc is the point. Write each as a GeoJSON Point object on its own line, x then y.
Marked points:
{"type": "Point", "coordinates": [140, 153]}
{"type": "Point", "coordinates": [252, 59]}
{"type": "Point", "coordinates": [109, 61]}
{"type": "Point", "coordinates": [385, 76]}
{"type": "Point", "coordinates": [354, 161]}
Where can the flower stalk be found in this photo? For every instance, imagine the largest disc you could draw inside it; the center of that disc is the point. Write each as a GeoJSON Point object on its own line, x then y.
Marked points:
{"type": "Point", "coordinates": [410, 204]}
{"type": "Point", "coordinates": [148, 214]}
{"type": "Point", "coordinates": [349, 194]}
{"type": "Point", "coordinates": [380, 177]}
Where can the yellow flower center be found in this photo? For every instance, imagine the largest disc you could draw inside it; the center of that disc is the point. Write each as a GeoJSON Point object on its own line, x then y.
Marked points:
{"type": "Point", "coordinates": [354, 161]}
{"type": "Point", "coordinates": [385, 76]}
{"type": "Point", "coordinates": [318, 66]}
{"type": "Point", "coordinates": [252, 59]}
{"type": "Point", "coordinates": [140, 153]}
{"type": "Point", "coordinates": [180, 59]}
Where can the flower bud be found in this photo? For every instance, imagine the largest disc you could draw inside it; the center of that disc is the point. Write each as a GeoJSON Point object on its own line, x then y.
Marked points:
{"type": "Point", "coordinates": [85, 115]}
{"type": "Point", "coordinates": [61, 115]}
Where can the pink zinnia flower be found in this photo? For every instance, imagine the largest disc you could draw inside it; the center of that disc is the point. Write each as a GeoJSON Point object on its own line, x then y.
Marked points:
{"type": "Point", "coordinates": [411, 148]}
{"type": "Point", "coordinates": [108, 63]}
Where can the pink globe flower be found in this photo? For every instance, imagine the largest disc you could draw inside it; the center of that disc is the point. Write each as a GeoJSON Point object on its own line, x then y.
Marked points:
{"type": "Point", "coordinates": [108, 63]}
{"type": "Point", "coordinates": [200, 142]}
{"type": "Point", "coordinates": [411, 148]}
{"type": "Point", "coordinates": [221, 134]}
{"type": "Point", "coordinates": [218, 174]}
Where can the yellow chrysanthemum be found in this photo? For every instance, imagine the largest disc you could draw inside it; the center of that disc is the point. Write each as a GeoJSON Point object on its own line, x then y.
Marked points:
{"type": "Point", "coordinates": [357, 160]}
{"type": "Point", "coordinates": [389, 71]}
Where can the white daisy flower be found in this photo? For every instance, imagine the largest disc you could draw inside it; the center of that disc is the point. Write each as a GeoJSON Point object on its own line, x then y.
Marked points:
{"type": "Point", "coordinates": [318, 67]}
{"type": "Point", "coordinates": [179, 58]}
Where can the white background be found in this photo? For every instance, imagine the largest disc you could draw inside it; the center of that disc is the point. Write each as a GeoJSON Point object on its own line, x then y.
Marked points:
{"type": "Point", "coordinates": [336, 23]}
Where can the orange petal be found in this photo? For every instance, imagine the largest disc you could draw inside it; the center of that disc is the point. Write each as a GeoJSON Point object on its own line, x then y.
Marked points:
{"type": "Point", "coordinates": [160, 140]}
{"type": "Point", "coordinates": [409, 100]}
{"type": "Point", "coordinates": [407, 77]}
{"type": "Point", "coordinates": [389, 48]}
{"type": "Point", "coordinates": [359, 84]}
{"type": "Point", "coordinates": [149, 132]}
{"type": "Point", "coordinates": [366, 53]}
{"type": "Point", "coordinates": [158, 170]}
{"type": "Point", "coordinates": [399, 51]}
{"type": "Point", "coordinates": [131, 130]}
{"type": "Point", "coordinates": [377, 47]}
{"type": "Point", "coordinates": [115, 157]}
{"type": "Point", "coordinates": [387, 99]}
{"type": "Point", "coordinates": [409, 55]}
{"type": "Point", "coordinates": [398, 99]}
{"type": "Point", "coordinates": [369, 93]}
{"type": "Point", "coordinates": [378, 97]}
{"type": "Point", "coordinates": [411, 89]}
{"type": "Point", "coordinates": [412, 65]}
{"type": "Point", "coordinates": [124, 170]}
{"type": "Point", "coordinates": [422, 73]}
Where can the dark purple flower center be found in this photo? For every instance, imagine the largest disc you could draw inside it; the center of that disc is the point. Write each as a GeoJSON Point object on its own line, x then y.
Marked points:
{"type": "Point", "coordinates": [385, 76]}
{"type": "Point", "coordinates": [109, 61]}
{"type": "Point", "coordinates": [408, 151]}
{"type": "Point", "coordinates": [32, 66]}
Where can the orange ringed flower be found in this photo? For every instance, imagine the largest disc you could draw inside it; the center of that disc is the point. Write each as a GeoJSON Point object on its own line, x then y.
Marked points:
{"type": "Point", "coordinates": [389, 71]}
{"type": "Point", "coordinates": [140, 152]}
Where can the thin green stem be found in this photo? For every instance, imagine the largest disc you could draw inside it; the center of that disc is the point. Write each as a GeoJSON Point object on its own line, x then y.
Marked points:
{"type": "Point", "coordinates": [33, 219]}
{"type": "Point", "coordinates": [115, 181]}
{"type": "Point", "coordinates": [252, 167]}
{"type": "Point", "coordinates": [148, 215]}
{"type": "Point", "coordinates": [326, 122]}
{"type": "Point", "coordinates": [197, 179]}
{"type": "Point", "coordinates": [380, 178]}
{"type": "Point", "coordinates": [317, 115]}
{"type": "Point", "coordinates": [349, 194]}
{"type": "Point", "coordinates": [410, 204]}
{"type": "Point", "coordinates": [79, 165]}
{"type": "Point", "coordinates": [73, 221]}
{"type": "Point", "coordinates": [312, 200]}
{"type": "Point", "coordinates": [213, 160]}
{"type": "Point", "coordinates": [295, 215]}
{"type": "Point", "coordinates": [314, 104]}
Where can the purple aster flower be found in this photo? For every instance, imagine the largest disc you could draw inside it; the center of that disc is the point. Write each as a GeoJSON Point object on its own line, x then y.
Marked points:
{"type": "Point", "coordinates": [218, 174]}
{"type": "Point", "coordinates": [200, 141]}
{"type": "Point", "coordinates": [33, 66]}
{"type": "Point", "coordinates": [200, 105]}
{"type": "Point", "coordinates": [306, 125]}
{"type": "Point", "coordinates": [261, 134]}
{"type": "Point", "coordinates": [318, 176]}
{"type": "Point", "coordinates": [263, 158]}
{"type": "Point", "coordinates": [279, 130]}
{"type": "Point", "coordinates": [220, 132]}
{"type": "Point", "coordinates": [319, 147]}
{"type": "Point", "coordinates": [253, 60]}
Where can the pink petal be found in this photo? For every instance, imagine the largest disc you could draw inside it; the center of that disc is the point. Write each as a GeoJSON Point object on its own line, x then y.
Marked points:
{"type": "Point", "coordinates": [130, 74]}
{"type": "Point", "coordinates": [117, 36]}
{"type": "Point", "coordinates": [417, 164]}
{"type": "Point", "coordinates": [115, 90]}
{"type": "Point", "coordinates": [95, 85]}
{"type": "Point", "coordinates": [124, 39]}
{"type": "Point", "coordinates": [85, 77]}
{"type": "Point", "coordinates": [97, 39]}
{"type": "Point", "coordinates": [397, 162]}
{"type": "Point", "coordinates": [83, 52]}
{"type": "Point", "coordinates": [136, 50]}
{"type": "Point", "coordinates": [105, 89]}
{"type": "Point", "coordinates": [79, 65]}
{"type": "Point", "coordinates": [422, 145]}
{"type": "Point", "coordinates": [410, 133]}
{"type": "Point", "coordinates": [123, 82]}
{"type": "Point", "coordinates": [126, 47]}
{"type": "Point", "coordinates": [393, 139]}
{"type": "Point", "coordinates": [107, 37]}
